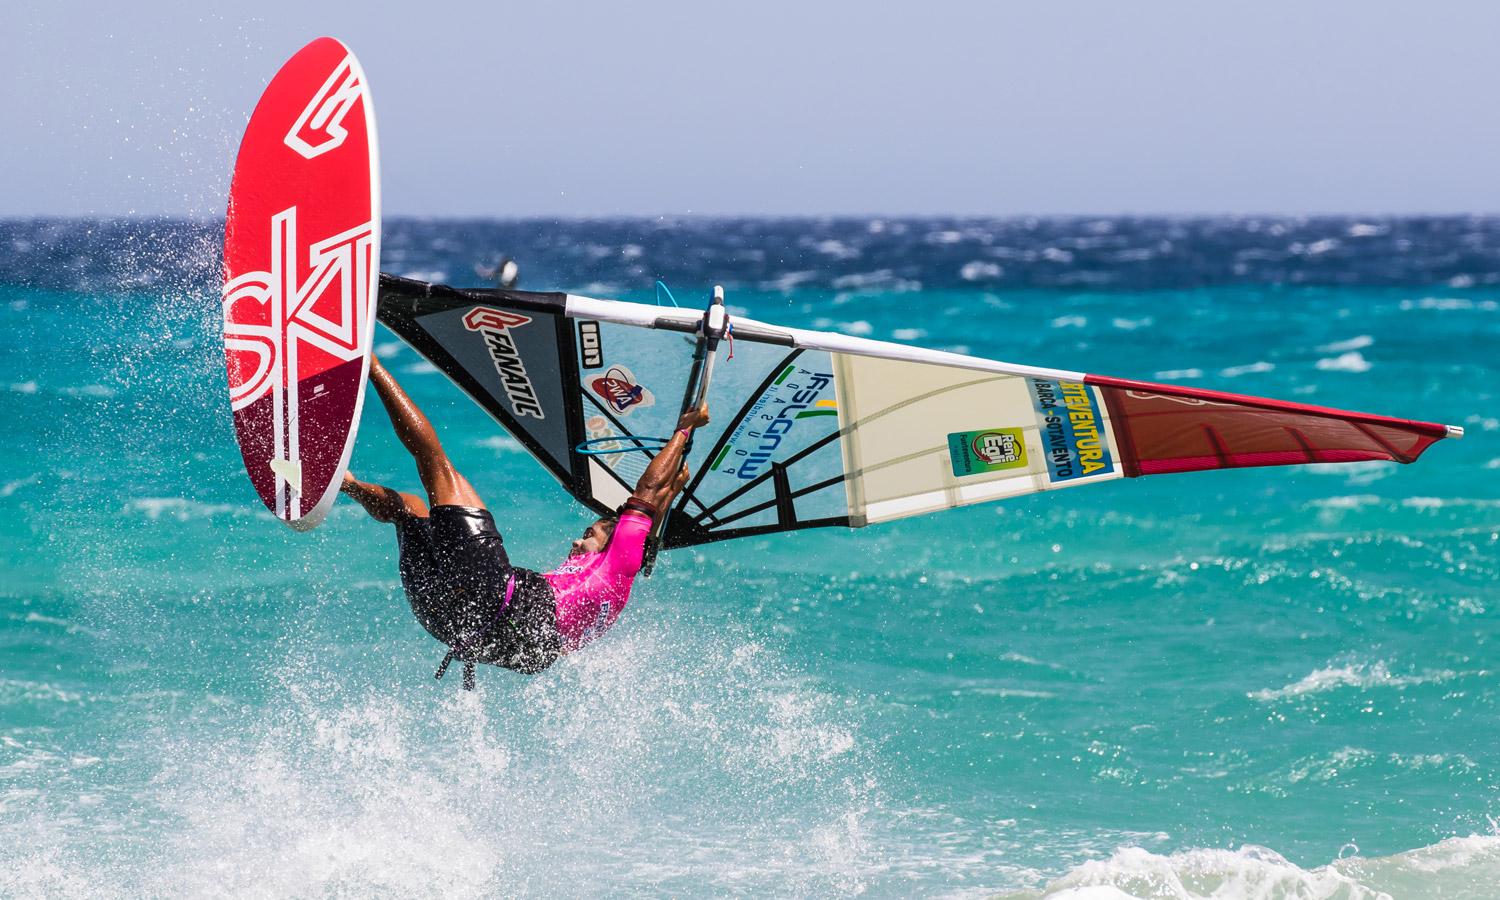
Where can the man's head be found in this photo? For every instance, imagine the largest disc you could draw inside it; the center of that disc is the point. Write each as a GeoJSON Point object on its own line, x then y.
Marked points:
{"type": "Point", "coordinates": [596, 537]}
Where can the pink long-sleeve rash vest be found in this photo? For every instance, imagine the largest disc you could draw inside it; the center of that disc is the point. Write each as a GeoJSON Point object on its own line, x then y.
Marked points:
{"type": "Point", "coordinates": [592, 588]}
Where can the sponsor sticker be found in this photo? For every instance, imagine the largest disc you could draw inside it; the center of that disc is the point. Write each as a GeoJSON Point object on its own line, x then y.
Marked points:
{"type": "Point", "coordinates": [991, 450]}
{"type": "Point", "coordinates": [1073, 431]}
{"type": "Point", "coordinates": [618, 388]}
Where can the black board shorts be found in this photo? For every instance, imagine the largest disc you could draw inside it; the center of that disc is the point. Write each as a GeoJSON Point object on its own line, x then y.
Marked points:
{"type": "Point", "coordinates": [455, 569]}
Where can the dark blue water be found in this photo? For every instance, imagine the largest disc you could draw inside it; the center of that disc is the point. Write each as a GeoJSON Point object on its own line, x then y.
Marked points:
{"type": "Point", "coordinates": [1275, 683]}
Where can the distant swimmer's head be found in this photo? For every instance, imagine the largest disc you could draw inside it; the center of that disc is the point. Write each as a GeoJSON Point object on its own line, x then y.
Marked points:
{"type": "Point", "coordinates": [596, 537]}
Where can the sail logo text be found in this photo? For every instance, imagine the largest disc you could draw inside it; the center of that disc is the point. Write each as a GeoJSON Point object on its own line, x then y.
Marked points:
{"type": "Point", "coordinates": [772, 417]}
{"type": "Point", "coordinates": [1070, 423]}
{"type": "Point", "coordinates": [495, 326]}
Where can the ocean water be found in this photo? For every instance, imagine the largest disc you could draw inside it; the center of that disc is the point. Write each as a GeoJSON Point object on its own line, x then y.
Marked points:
{"type": "Point", "coordinates": [1257, 684]}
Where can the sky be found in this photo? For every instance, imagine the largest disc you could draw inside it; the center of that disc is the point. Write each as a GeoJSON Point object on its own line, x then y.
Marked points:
{"type": "Point", "coordinates": [854, 107]}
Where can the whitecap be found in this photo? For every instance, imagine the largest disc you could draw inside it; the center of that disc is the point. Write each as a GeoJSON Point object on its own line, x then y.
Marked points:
{"type": "Point", "coordinates": [908, 334]}
{"type": "Point", "coordinates": [420, 368]}
{"type": "Point", "coordinates": [1354, 343]}
{"type": "Point", "coordinates": [435, 276]}
{"type": "Point", "coordinates": [10, 487]}
{"type": "Point", "coordinates": [1449, 304]}
{"type": "Point", "coordinates": [23, 387]}
{"type": "Point", "coordinates": [788, 281]}
{"type": "Point", "coordinates": [1133, 324]}
{"type": "Point", "coordinates": [837, 249]}
{"type": "Point", "coordinates": [1356, 675]}
{"type": "Point", "coordinates": [388, 349]}
{"type": "Point", "coordinates": [500, 443]}
{"type": "Point", "coordinates": [1174, 374]}
{"type": "Point", "coordinates": [1363, 230]}
{"type": "Point", "coordinates": [98, 391]}
{"type": "Point", "coordinates": [1353, 361]}
{"type": "Point", "coordinates": [1253, 368]}
{"type": "Point", "coordinates": [978, 269]}
{"type": "Point", "coordinates": [1361, 472]}
{"type": "Point", "coordinates": [1058, 256]}
{"type": "Point", "coordinates": [1070, 321]}
{"type": "Point", "coordinates": [178, 508]}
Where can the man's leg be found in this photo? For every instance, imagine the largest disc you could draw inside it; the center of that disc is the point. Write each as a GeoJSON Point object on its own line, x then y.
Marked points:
{"type": "Point", "coordinates": [382, 503]}
{"type": "Point", "coordinates": [445, 487]}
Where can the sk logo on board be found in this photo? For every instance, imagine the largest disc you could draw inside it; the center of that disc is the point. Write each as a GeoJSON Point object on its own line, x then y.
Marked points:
{"type": "Point", "coordinates": [269, 317]}
{"type": "Point", "coordinates": [619, 389]}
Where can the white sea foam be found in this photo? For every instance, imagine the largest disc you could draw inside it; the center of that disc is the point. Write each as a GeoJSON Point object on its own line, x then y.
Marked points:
{"type": "Point", "coordinates": [719, 769]}
{"type": "Point", "coordinates": [500, 444]}
{"type": "Point", "coordinates": [420, 368]}
{"type": "Point", "coordinates": [1176, 374]}
{"type": "Point", "coordinates": [908, 334]}
{"type": "Point", "coordinates": [788, 281]}
{"type": "Point", "coordinates": [1357, 675]}
{"type": "Point", "coordinates": [1448, 304]}
{"type": "Point", "coordinates": [97, 391]}
{"type": "Point", "coordinates": [388, 349]}
{"type": "Point", "coordinates": [1251, 369]}
{"type": "Point", "coordinates": [24, 387]}
{"type": "Point", "coordinates": [435, 276]}
{"type": "Point", "coordinates": [1070, 322]}
{"type": "Point", "coordinates": [1132, 324]}
{"type": "Point", "coordinates": [10, 487]}
{"type": "Point", "coordinates": [837, 249]}
{"type": "Point", "coordinates": [1459, 868]}
{"type": "Point", "coordinates": [1354, 343]}
{"type": "Point", "coordinates": [179, 508]}
{"type": "Point", "coordinates": [979, 269]}
{"type": "Point", "coordinates": [1352, 361]}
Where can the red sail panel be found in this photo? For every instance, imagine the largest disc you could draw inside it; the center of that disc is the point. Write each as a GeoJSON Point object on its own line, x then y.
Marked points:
{"type": "Point", "coordinates": [1164, 428]}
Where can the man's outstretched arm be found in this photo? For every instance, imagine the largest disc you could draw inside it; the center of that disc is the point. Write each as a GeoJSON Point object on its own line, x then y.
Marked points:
{"type": "Point", "coordinates": [667, 473]}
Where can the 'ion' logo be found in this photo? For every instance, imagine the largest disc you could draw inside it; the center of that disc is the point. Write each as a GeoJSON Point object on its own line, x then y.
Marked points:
{"type": "Point", "coordinates": [590, 347]}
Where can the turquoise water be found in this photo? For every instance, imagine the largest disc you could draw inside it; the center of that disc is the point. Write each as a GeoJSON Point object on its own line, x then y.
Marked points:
{"type": "Point", "coordinates": [1274, 683]}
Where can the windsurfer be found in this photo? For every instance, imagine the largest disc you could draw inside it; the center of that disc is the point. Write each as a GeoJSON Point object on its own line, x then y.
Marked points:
{"type": "Point", "coordinates": [458, 577]}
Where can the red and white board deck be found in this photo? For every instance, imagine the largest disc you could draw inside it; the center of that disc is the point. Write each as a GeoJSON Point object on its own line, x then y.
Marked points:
{"type": "Point", "coordinates": [301, 276]}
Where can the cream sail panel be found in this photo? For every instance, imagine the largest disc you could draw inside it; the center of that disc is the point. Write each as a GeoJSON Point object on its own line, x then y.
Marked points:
{"type": "Point", "coordinates": [921, 437]}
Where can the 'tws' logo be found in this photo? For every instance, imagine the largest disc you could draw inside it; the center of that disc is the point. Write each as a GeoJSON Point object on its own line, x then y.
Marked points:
{"type": "Point", "coordinates": [320, 128]}
{"type": "Point", "coordinates": [495, 325]}
{"type": "Point", "coordinates": [618, 388]}
{"type": "Point", "coordinates": [270, 316]}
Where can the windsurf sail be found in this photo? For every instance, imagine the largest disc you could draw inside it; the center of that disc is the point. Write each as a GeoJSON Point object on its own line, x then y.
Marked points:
{"type": "Point", "coordinates": [817, 428]}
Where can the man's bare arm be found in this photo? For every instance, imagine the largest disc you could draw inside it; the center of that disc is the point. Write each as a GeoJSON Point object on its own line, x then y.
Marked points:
{"type": "Point", "coordinates": [667, 473]}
